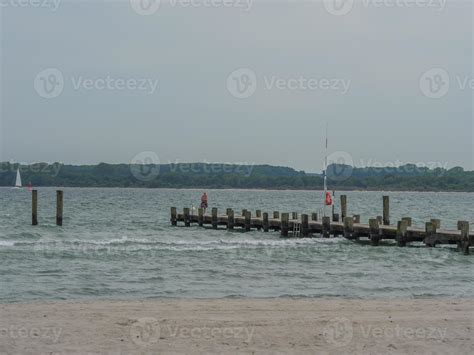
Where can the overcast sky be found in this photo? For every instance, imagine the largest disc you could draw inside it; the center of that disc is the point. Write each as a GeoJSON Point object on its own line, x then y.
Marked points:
{"type": "Point", "coordinates": [102, 81]}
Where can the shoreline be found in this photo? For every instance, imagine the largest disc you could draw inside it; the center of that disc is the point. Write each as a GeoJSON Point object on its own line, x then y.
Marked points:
{"type": "Point", "coordinates": [246, 189]}
{"type": "Point", "coordinates": [323, 325]}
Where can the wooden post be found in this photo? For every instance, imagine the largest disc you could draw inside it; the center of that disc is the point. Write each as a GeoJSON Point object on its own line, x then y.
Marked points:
{"type": "Point", "coordinates": [227, 211]}
{"type": "Point", "coordinates": [276, 215]}
{"type": "Point", "coordinates": [285, 217]}
{"type": "Point", "coordinates": [402, 227]}
{"type": "Point", "coordinates": [59, 208]}
{"type": "Point", "coordinates": [314, 216]}
{"type": "Point", "coordinates": [463, 244]}
{"type": "Point", "coordinates": [186, 217]}
{"type": "Point", "coordinates": [386, 210]}
{"type": "Point", "coordinates": [214, 220]}
{"type": "Point", "coordinates": [436, 224]}
{"type": "Point", "coordinates": [294, 215]}
{"type": "Point", "coordinates": [230, 219]}
{"type": "Point", "coordinates": [335, 217]}
{"type": "Point", "coordinates": [326, 226]}
{"type": "Point", "coordinates": [174, 219]}
{"type": "Point", "coordinates": [258, 214]}
{"type": "Point", "coordinates": [430, 231]}
{"type": "Point", "coordinates": [357, 218]}
{"type": "Point", "coordinates": [201, 217]}
{"type": "Point", "coordinates": [244, 212]}
{"type": "Point", "coordinates": [304, 225]}
{"type": "Point", "coordinates": [408, 220]}
{"type": "Point", "coordinates": [343, 207]}
{"type": "Point", "coordinates": [265, 223]}
{"type": "Point", "coordinates": [348, 227]}
{"type": "Point", "coordinates": [248, 220]}
{"type": "Point", "coordinates": [34, 208]}
{"type": "Point", "coordinates": [374, 232]}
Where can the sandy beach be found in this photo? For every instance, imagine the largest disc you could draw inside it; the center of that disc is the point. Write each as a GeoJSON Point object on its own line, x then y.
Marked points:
{"type": "Point", "coordinates": [239, 326]}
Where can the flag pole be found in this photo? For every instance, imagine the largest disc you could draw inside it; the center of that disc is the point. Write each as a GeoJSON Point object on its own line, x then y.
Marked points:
{"type": "Point", "coordinates": [325, 171]}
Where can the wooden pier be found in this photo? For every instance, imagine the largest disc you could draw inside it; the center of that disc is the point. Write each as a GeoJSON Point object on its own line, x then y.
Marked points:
{"type": "Point", "coordinates": [350, 227]}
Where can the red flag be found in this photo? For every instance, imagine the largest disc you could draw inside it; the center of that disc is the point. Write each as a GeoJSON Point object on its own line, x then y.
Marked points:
{"type": "Point", "coordinates": [328, 199]}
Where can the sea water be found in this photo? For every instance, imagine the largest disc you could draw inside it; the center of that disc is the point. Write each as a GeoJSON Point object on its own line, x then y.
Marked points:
{"type": "Point", "coordinates": [119, 244]}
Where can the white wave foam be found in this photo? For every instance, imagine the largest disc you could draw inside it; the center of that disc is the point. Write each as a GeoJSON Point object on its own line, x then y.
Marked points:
{"type": "Point", "coordinates": [7, 243]}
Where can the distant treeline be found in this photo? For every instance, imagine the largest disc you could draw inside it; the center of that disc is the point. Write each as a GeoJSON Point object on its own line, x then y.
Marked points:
{"type": "Point", "coordinates": [203, 175]}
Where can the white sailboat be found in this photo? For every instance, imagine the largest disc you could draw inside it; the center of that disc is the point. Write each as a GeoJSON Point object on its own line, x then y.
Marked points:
{"type": "Point", "coordinates": [18, 180]}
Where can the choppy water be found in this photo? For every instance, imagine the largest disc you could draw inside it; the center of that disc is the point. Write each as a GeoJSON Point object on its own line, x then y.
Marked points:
{"type": "Point", "coordinates": [117, 243]}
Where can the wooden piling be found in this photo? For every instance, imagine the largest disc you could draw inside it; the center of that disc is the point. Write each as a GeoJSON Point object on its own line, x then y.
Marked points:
{"type": "Point", "coordinates": [174, 216]}
{"type": "Point", "coordinates": [34, 208]}
{"type": "Point", "coordinates": [429, 234]}
{"type": "Point", "coordinates": [187, 218]}
{"type": "Point", "coordinates": [348, 227]}
{"type": "Point", "coordinates": [276, 215]}
{"type": "Point", "coordinates": [314, 216]}
{"type": "Point", "coordinates": [436, 224]}
{"type": "Point", "coordinates": [408, 220]}
{"type": "Point", "coordinates": [335, 217]}
{"type": "Point", "coordinates": [326, 226]}
{"type": "Point", "coordinates": [227, 211]}
{"type": "Point", "coordinates": [386, 210]}
{"type": "Point", "coordinates": [285, 217]}
{"type": "Point", "coordinates": [214, 220]}
{"type": "Point", "coordinates": [258, 214]}
{"type": "Point", "coordinates": [463, 244]}
{"type": "Point", "coordinates": [248, 219]}
{"type": "Point", "coordinates": [343, 207]}
{"type": "Point", "coordinates": [265, 223]}
{"type": "Point", "coordinates": [402, 227]}
{"type": "Point", "coordinates": [304, 225]}
{"type": "Point", "coordinates": [201, 217]}
{"type": "Point", "coordinates": [374, 231]}
{"type": "Point", "coordinates": [230, 219]}
{"type": "Point", "coordinates": [59, 208]}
